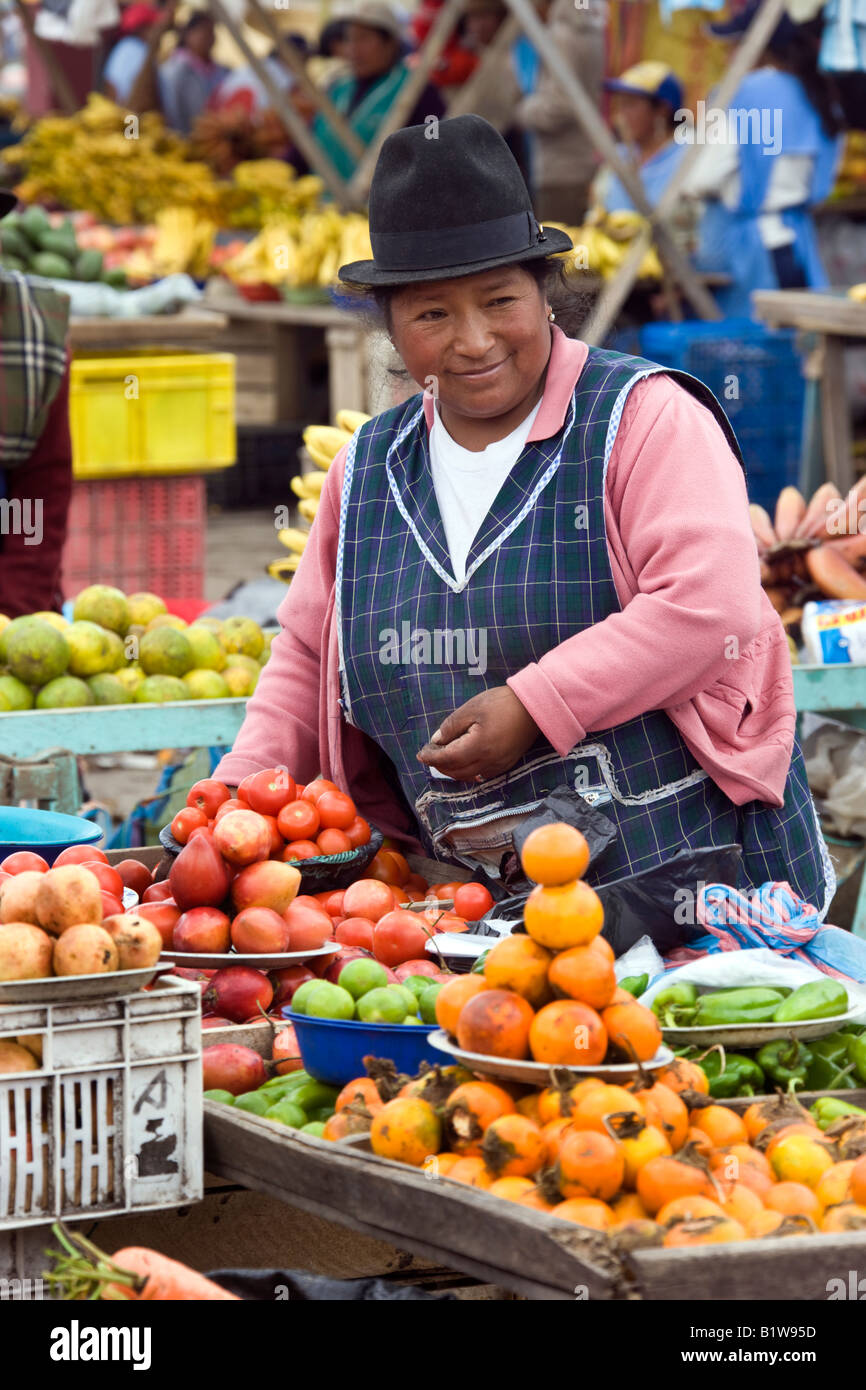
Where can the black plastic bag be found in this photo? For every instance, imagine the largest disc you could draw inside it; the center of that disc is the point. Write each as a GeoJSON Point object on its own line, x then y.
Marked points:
{"type": "Point", "coordinates": [296, 1286]}
{"type": "Point", "coordinates": [562, 804]}
{"type": "Point", "coordinates": [660, 903]}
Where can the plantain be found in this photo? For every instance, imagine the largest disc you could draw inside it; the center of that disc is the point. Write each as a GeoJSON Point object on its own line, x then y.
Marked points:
{"type": "Point", "coordinates": [284, 568]}
{"type": "Point", "coordinates": [308, 507]}
{"type": "Point", "coordinates": [323, 443]}
{"type": "Point", "coordinates": [351, 420]}
{"type": "Point", "coordinates": [293, 538]}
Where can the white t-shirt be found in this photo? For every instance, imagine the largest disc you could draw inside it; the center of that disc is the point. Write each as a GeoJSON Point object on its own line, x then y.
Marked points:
{"type": "Point", "coordinates": [466, 482]}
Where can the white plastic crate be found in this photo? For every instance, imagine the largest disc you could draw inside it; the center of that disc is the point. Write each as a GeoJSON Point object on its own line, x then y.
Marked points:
{"type": "Point", "coordinates": [112, 1122]}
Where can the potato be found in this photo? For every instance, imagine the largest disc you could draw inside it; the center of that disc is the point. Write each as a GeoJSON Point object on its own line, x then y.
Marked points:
{"type": "Point", "coordinates": [85, 949]}
{"type": "Point", "coordinates": [67, 897]}
{"type": "Point", "coordinates": [137, 940]}
{"type": "Point", "coordinates": [25, 951]}
{"type": "Point", "coordinates": [18, 898]}
{"type": "Point", "coordinates": [14, 1057]}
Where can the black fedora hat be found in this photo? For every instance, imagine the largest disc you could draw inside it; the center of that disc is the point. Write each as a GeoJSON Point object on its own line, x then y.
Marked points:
{"type": "Point", "coordinates": [446, 202]}
{"type": "Point", "coordinates": [8, 201]}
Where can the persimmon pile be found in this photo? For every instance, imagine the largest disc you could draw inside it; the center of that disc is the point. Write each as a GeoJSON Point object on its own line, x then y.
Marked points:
{"type": "Point", "coordinates": [551, 995]}
{"type": "Point", "coordinates": [656, 1162]}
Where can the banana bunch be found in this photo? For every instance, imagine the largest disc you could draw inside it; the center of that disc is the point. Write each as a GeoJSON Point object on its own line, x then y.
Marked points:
{"type": "Point", "coordinates": [602, 244]}
{"type": "Point", "coordinates": [322, 444]}
{"type": "Point", "coordinates": [299, 249]}
{"type": "Point", "coordinates": [265, 259]}
{"type": "Point", "coordinates": [858, 293]}
{"type": "Point", "coordinates": [184, 242]}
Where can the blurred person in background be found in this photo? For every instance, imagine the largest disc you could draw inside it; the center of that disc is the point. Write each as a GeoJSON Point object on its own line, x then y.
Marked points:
{"type": "Point", "coordinates": [645, 101]}
{"type": "Point", "coordinates": [242, 87]}
{"type": "Point", "coordinates": [377, 73]}
{"type": "Point", "coordinates": [74, 33]}
{"type": "Point", "coordinates": [189, 77]}
{"type": "Point", "coordinates": [563, 157]}
{"type": "Point", "coordinates": [496, 95]}
{"type": "Point", "coordinates": [35, 445]}
{"type": "Point", "coordinates": [139, 24]}
{"type": "Point", "coordinates": [759, 191]}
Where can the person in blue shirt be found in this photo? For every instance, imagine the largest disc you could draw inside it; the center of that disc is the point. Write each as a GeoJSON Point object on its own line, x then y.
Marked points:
{"type": "Point", "coordinates": [127, 58]}
{"type": "Point", "coordinates": [777, 161]}
{"type": "Point", "coordinates": [647, 98]}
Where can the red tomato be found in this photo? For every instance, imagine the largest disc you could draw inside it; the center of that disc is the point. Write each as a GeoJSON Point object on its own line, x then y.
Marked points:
{"type": "Point", "coordinates": [201, 830]}
{"type": "Point", "coordinates": [417, 884]}
{"type": "Point", "coordinates": [333, 841]}
{"type": "Point", "coordinates": [164, 916]}
{"type": "Point", "coordinates": [384, 868]}
{"type": "Point", "coordinates": [399, 936]}
{"type": "Point", "coordinates": [187, 820]}
{"type": "Point", "coordinates": [355, 931]}
{"type": "Point", "coordinates": [111, 905]}
{"type": "Point", "coordinates": [109, 878]}
{"type": "Point", "coordinates": [332, 903]}
{"type": "Point", "coordinates": [358, 832]}
{"type": "Point", "coordinates": [369, 898]}
{"type": "Point", "coordinates": [449, 921]}
{"type": "Point", "coordinates": [208, 795]}
{"type": "Point", "coordinates": [472, 901]}
{"type": "Point", "coordinates": [233, 804]}
{"type": "Point", "coordinates": [410, 895]}
{"type": "Point", "coordinates": [78, 854]}
{"type": "Point", "coordinates": [300, 849]}
{"type": "Point", "coordinates": [399, 863]}
{"type": "Point", "coordinates": [277, 841]}
{"type": "Point", "coordinates": [298, 820]}
{"type": "Point", "coordinates": [313, 790]}
{"type": "Point", "coordinates": [445, 890]}
{"type": "Point", "coordinates": [24, 860]}
{"type": "Point", "coordinates": [269, 791]}
{"type": "Point", "coordinates": [135, 875]}
{"type": "Point", "coordinates": [157, 892]}
{"type": "Point", "coordinates": [336, 810]}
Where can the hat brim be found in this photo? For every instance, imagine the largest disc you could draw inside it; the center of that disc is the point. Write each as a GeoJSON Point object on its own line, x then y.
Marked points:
{"type": "Point", "coordinates": [8, 201]}
{"type": "Point", "coordinates": [613, 84]}
{"type": "Point", "coordinates": [364, 274]}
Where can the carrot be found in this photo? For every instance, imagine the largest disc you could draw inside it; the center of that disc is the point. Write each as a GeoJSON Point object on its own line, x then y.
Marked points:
{"type": "Point", "coordinates": [165, 1279]}
{"type": "Point", "coordinates": [85, 1271]}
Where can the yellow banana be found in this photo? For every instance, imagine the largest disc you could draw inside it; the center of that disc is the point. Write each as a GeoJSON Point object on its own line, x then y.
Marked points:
{"type": "Point", "coordinates": [299, 487]}
{"type": "Point", "coordinates": [858, 293]}
{"type": "Point", "coordinates": [308, 506]}
{"type": "Point", "coordinates": [351, 420]}
{"type": "Point", "coordinates": [323, 443]}
{"type": "Point", "coordinates": [293, 538]}
{"type": "Point", "coordinates": [284, 569]}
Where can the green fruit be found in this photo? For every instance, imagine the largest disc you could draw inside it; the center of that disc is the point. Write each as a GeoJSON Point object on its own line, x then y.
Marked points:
{"type": "Point", "coordinates": [105, 605]}
{"type": "Point", "coordinates": [144, 607]}
{"type": "Point", "coordinates": [314, 1095]}
{"type": "Point", "coordinates": [282, 1085]}
{"type": "Point", "coordinates": [88, 266]}
{"type": "Point", "coordinates": [14, 263]}
{"type": "Point", "coordinates": [92, 649]}
{"type": "Point", "coordinates": [18, 695]}
{"type": "Point", "coordinates": [51, 266]}
{"type": "Point", "coordinates": [254, 1102]}
{"type": "Point", "coordinates": [207, 649]}
{"type": "Point", "coordinates": [287, 1113]}
{"type": "Point", "coordinates": [330, 1001]}
{"type": "Point", "coordinates": [427, 1003]}
{"type": "Point", "coordinates": [321, 1113]}
{"type": "Point", "coordinates": [165, 651]}
{"type": "Point", "coordinates": [361, 975]}
{"type": "Point", "coordinates": [34, 222]}
{"type": "Point", "coordinates": [239, 681]}
{"type": "Point", "coordinates": [109, 690]}
{"type": "Point", "coordinates": [160, 690]}
{"type": "Point", "coordinates": [35, 652]}
{"type": "Point", "coordinates": [116, 278]}
{"type": "Point", "coordinates": [206, 685]}
{"type": "Point", "coordinates": [302, 994]}
{"type": "Point", "coordinates": [60, 242]}
{"type": "Point", "coordinates": [315, 1127]}
{"type": "Point", "coordinates": [418, 984]}
{"type": "Point", "coordinates": [130, 678]}
{"type": "Point", "coordinates": [66, 692]}
{"type": "Point", "coordinates": [242, 635]}
{"type": "Point", "coordinates": [382, 1006]}
{"type": "Point", "coordinates": [12, 243]}
{"type": "Point", "coordinates": [212, 624]}
{"type": "Point", "coordinates": [409, 997]}
{"type": "Point", "coordinates": [224, 1097]}
{"type": "Point", "coordinates": [413, 1018]}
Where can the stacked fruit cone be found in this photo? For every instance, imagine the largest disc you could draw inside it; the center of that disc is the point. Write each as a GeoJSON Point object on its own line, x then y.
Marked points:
{"type": "Point", "coordinates": [812, 549]}
{"type": "Point", "coordinates": [322, 443]}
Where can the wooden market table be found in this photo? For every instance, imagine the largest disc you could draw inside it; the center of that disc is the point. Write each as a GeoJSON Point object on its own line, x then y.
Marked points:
{"type": "Point", "coordinates": [183, 329]}
{"type": "Point", "coordinates": [38, 748]}
{"type": "Point", "coordinates": [836, 322]}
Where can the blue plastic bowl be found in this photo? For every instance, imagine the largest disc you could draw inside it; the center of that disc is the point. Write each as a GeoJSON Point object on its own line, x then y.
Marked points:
{"type": "Point", "coordinates": [44, 832]}
{"type": "Point", "coordinates": [333, 1049]}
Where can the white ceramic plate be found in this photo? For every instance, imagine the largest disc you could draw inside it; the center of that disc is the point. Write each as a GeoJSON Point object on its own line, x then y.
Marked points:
{"type": "Point", "coordinates": [533, 1073]}
{"type": "Point", "coordinates": [203, 960]}
{"type": "Point", "coordinates": [756, 1034]}
{"type": "Point", "coordinates": [67, 989]}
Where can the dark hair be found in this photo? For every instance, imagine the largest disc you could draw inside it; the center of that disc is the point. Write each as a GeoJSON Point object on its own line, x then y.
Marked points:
{"type": "Point", "coordinates": [797, 53]}
{"type": "Point", "coordinates": [333, 32]}
{"type": "Point", "coordinates": [194, 22]}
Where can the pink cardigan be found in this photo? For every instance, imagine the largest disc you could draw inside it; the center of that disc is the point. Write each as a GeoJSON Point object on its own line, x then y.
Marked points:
{"type": "Point", "coordinates": [696, 637]}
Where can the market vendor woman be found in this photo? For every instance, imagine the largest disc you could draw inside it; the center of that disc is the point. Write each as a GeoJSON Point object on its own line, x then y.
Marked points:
{"type": "Point", "coordinates": [538, 572]}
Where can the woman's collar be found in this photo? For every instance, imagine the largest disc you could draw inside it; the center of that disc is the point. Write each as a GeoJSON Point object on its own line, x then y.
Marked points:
{"type": "Point", "coordinates": [567, 359]}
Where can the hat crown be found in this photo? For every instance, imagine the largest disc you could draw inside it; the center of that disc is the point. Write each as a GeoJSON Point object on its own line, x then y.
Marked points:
{"type": "Point", "coordinates": [451, 173]}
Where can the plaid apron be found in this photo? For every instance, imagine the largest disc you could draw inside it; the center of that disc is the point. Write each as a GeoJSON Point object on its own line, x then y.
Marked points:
{"type": "Point", "coordinates": [33, 325]}
{"type": "Point", "coordinates": [415, 644]}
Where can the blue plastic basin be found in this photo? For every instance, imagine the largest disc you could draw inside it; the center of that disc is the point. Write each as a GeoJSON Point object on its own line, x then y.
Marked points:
{"type": "Point", "coordinates": [333, 1050]}
{"type": "Point", "coordinates": [44, 832]}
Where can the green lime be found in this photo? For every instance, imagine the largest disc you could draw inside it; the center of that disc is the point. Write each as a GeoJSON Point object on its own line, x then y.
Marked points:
{"type": "Point", "coordinates": [286, 1112]}
{"type": "Point", "coordinates": [413, 1018]}
{"type": "Point", "coordinates": [418, 984]}
{"type": "Point", "coordinates": [315, 1127]}
{"type": "Point", "coordinates": [383, 1006]}
{"type": "Point", "coordinates": [224, 1097]}
{"type": "Point", "coordinates": [330, 1001]}
{"type": "Point", "coordinates": [254, 1102]}
{"type": "Point", "coordinates": [361, 975]}
{"type": "Point", "coordinates": [302, 994]}
{"type": "Point", "coordinates": [427, 1003]}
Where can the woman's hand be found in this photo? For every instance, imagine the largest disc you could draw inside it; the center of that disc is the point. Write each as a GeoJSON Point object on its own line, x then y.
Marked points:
{"type": "Point", "coordinates": [482, 738]}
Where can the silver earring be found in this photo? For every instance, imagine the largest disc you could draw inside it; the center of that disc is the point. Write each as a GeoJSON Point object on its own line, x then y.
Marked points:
{"type": "Point", "coordinates": [551, 316]}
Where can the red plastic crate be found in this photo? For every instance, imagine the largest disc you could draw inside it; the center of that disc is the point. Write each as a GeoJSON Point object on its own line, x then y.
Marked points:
{"type": "Point", "coordinates": [137, 533]}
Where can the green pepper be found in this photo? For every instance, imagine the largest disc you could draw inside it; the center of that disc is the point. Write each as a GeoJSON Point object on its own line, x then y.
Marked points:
{"type": "Point", "coordinates": [682, 995]}
{"type": "Point", "coordinates": [786, 1062]}
{"type": "Point", "coordinates": [749, 1005]}
{"type": "Point", "coordinates": [830, 1069]}
{"type": "Point", "coordinates": [634, 984]}
{"type": "Point", "coordinates": [818, 999]}
{"type": "Point", "coordinates": [731, 1074]}
{"type": "Point", "coordinates": [857, 1055]}
{"type": "Point", "coordinates": [828, 1109]}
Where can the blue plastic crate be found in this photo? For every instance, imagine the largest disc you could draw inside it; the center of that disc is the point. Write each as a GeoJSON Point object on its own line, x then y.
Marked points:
{"type": "Point", "coordinates": [756, 376]}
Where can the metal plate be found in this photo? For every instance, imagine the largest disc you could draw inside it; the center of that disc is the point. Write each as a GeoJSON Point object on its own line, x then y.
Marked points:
{"type": "Point", "coordinates": [756, 1034]}
{"type": "Point", "coordinates": [203, 960]}
{"type": "Point", "coordinates": [535, 1073]}
{"type": "Point", "coordinates": [68, 989]}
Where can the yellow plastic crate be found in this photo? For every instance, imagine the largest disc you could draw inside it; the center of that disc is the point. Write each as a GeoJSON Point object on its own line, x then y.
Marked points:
{"type": "Point", "coordinates": [145, 413]}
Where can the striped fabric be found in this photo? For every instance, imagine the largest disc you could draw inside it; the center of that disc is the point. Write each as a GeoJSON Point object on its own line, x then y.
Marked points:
{"type": "Point", "coordinates": [538, 571]}
{"type": "Point", "coordinates": [33, 324]}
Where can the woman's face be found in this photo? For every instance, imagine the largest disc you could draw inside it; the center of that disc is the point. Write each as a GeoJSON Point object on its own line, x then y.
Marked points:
{"type": "Point", "coordinates": [634, 117]}
{"type": "Point", "coordinates": [200, 40]}
{"type": "Point", "coordinates": [369, 51]}
{"type": "Point", "coordinates": [480, 343]}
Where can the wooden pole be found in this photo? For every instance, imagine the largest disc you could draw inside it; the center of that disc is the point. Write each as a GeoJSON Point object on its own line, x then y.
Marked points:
{"type": "Point", "coordinates": [295, 124]}
{"type": "Point", "coordinates": [463, 100]}
{"type": "Point", "coordinates": [59, 80]}
{"type": "Point", "coordinates": [428, 56]}
{"type": "Point", "coordinates": [292, 59]}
